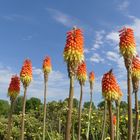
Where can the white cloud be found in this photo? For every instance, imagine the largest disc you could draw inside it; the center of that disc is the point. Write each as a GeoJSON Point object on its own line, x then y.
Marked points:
{"type": "Point", "coordinates": [113, 56]}
{"type": "Point", "coordinates": [67, 20]}
{"type": "Point", "coordinates": [29, 37]}
{"type": "Point", "coordinates": [86, 50]}
{"type": "Point", "coordinates": [96, 58]}
{"type": "Point", "coordinates": [124, 5]}
{"type": "Point", "coordinates": [113, 36]}
{"type": "Point", "coordinates": [98, 40]}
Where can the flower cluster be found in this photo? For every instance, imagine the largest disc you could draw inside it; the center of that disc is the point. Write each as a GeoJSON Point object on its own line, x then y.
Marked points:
{"type": "Point", "coordinates": [82, 73]}
{"type": "Point", "coordinates": [73, 51]}
{"type": "Point", "coordinates": [14, 87]}
{"type": "Point", "coordinates": [47, 67]}
{"type": "Point", "coordinates": [91, 77]}
{"type": "Point", "coordinates": [26, 73]}
{"type": "Point", "coordinates": [127, 43]}
{"type": "Point", "coordinates": [136, 68]}
{"type": "Point", "coordinates": [110, 88]}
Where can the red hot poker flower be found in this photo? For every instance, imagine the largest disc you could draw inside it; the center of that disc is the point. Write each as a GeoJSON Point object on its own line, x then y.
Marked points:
{"type": "Point", "coordinates": [136, 67]}
{"type": "Point", "coordinates": [91, 77]}
{"type": "Point", "coordinates": [14, 87]}
{"type": "Point", "coordinates": [73, 51]}
{"type": "Point", "coordinates": [47, 67]}
{"type": "Point", "coordinates": [127, 43]}
{"type": "Point", "coordinates": [114, 120]}
{"type": "Point", "coordinates": [110, 88]}
{"type": "Point", "coordinates": [82, 73]}
{"type": "Point", "coordinates": [26, 73]}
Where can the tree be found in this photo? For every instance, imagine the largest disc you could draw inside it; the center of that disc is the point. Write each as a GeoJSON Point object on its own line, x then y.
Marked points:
{"type": "Point", "coordinates": [18, 105]}
{"type": "Point", "coordinates": [87, 104]}
{"type": "Point", "coordinates": [101, 105]}
{"type": "Point", "coordinates": [75, 102]}
{"type": "Point", "coordinates": [33, 103]}
{"type": "Point", "coordinates": [4, 107]}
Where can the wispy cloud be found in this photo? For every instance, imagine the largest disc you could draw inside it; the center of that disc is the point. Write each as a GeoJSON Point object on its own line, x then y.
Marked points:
{"type": "Point", "coordinates": [124, 5]}
{"type": "Point", "coordinates": [96, 58]}
{"type": "Point", "coordinates": [113, 36]}
{"type": "Point", "coordinates": [27, 38]}
{"type": "Point", "coordinates": [67, 20]}
{"type": "Point", "coordinates": [86, 50]}
{"type": "Point", "coordinates": [98, 39]}
{"type": "Point", "coordinates": [13, 17]}
{"type": "Point", "coordinates": [113, 56]}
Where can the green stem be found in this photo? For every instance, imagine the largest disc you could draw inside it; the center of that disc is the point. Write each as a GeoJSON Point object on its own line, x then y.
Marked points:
{"type": "Point", "coordinates": [128, 63]}
{"type": "Point", "coordinates": [23, 113]}
{"type": "Point", "coordinates": [79, 113]}
{"type": "Point", "coordinates": [45, 94]}
{"type": "Point", "coordinates": [111, 120]}
{"type": "Point", "coordinates": [89, 115]}
{"type": "Point", "coordinates": [70, 105]}
{"type": "Point", "coordinates": [59, 125]}
{"type": "Point", "coordinates": [137, 117]}
{"type": "Point", "coordinates": [10, 120]}
{"type": "Point", "coordinates": [104, 121]}
{"type": "Point", "coordinates": [118, 118]}
{"type": "Point", "coordinates": [130, 125]}
{"type": "Point", "coordinates": [73, 132]}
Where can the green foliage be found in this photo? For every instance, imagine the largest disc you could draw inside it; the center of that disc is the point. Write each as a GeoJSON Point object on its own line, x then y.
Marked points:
{"type": "Point", "coordinates": [18, 105]}
{"type": "Point", "coordinates": [87, 104]}
{"type": "Point", "coordinates": [33, 104]}
{"type": "Point", "coordinates": [56, 120]}
{"type": "Point", "coordinates": [4, 107]}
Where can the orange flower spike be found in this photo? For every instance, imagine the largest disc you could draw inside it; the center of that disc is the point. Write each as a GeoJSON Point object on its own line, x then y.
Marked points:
{"type": "Point", "coordinates": [47, 67]}
{"type": "Point", "coordinates": [110, 86]}
{"type": "Point", "coordinates": [91, 77]}
{"type": "Point", "coordinates": [26, 73]}
{"type": "Point", "coordinates": [120, 94]}
{"type": "Point", "coordinates": [114, 120]}
{"type": "Point", "coordinates": [73, 51]}
{"type": "Point", "coordinates": [82, 73]}
{"type": "Point", "coordinates": [14, 87]}
{"type": "Point", "coordinates": [127, 43]}
{"type": "Point", "coordinates": [136, 68]}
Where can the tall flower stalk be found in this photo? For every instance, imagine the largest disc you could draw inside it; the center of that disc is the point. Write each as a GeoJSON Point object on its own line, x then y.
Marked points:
{"type": "Point", "coordinates": [47, 68]}
{"type": "Point", "coordinates": [91, 82]}
{"type": "Point", "coordinates": [73, 56]}
{"type": "Point", "coordinates": [111, 92]}
{"type": "Point", "coordinates": [25, 77]}
{"type": "Point", "coordinates": [128, 51]}
{"type": "Point", "coordinates": [104, 120]}
{"type": "Point", "coordinates": [135, 82]}
{"type": "Point", "coordinates": [118, 113]}
{"type": "Point", "coordinates": [81, 77]}
{"type": "Point", "coordinates": [13, 92]}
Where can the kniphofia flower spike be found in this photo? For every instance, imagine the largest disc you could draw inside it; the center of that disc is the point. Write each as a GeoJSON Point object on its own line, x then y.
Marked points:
{"type": "Point", "coordinates": [14, 87]}
{"type": "Point", "coordinates": [127, 42]}
{"type": "Point", "coordinates": [73, 51]}
{"type": "Point", "coordinates": [110, 87]}
{"type": "Point", "coordinates": [26, 73]}
{"type": "Point", "coordinates": [47, 67]}
{"type": "Point", "coordinates": [82, 73]}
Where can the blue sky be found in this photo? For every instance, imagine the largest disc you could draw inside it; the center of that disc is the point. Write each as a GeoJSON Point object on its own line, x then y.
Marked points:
{"type": "Point", "coordinates": [33, 29]}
